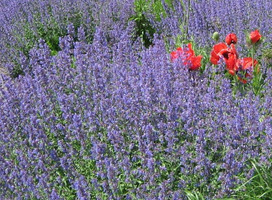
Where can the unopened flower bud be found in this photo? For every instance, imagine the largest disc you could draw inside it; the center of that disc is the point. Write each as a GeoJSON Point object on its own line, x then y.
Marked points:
{"type": "Point", "coordinates": [215, 36]}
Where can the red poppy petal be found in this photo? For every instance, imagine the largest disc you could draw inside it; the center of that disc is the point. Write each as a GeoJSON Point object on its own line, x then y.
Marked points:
{"type": "Point", "coordinates": [255, 36]}
{"type": "Point", "coordinates": [242, 80]}
{"type": "Point", "coordinates": [214, 60]}
{"type": "Point", "coordinates": [232, 72]}
{"type": "Point", "coordinates": [218, 47]}
{"type": "Point", "coordinates": [179, 49]}
{"type": "Point", "coordinates": [196, 62]}
{"type": "Point", "coordinates": [174, 55]}
{"type": "Point", "coordinates": [231, 38]}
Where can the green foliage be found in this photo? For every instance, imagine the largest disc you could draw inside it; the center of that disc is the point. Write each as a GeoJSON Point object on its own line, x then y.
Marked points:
{"type": "Point", "coordinates": [17, 71]}
{"type": "Point", "coordinates": [180, 41]}
{"type": "Point", "coordinates": [267, 55]}
{"type": "Point", "coordinates": [33, 31]}
{"type": "Point", "coordinates": [158, 10]}
{"type": "Point", "coordinates": [184, 25]}
{"type": "Point", "coordinates": [259, 187]}
{"type": "Point", "coordinates": [144, 28]}
{"type": "Point", "coordinates": [63, 187]}
{"type": "Point", "coordinates": [258, 81]}
{"type": "Point", "coordinates": [194, 195]}
{"type": "Point", "coordinates": [50, 31]}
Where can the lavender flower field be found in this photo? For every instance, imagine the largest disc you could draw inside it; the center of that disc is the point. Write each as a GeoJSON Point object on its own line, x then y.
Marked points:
{"type": "Point", "coordinates": [99, 101]}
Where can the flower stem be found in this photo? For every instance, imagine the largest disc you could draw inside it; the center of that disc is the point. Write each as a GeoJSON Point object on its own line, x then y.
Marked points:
{"type": "Point", "coordinates": [187, 18]}
{"type": "Point", "coordinates": [252, 55]}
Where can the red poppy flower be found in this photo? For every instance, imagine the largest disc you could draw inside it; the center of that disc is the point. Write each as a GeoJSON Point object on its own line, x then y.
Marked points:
{"type": "Point", "coordinates": [215, 54]}
{"type": "Point", "coordinates": [231, 63]}
{"type": "Point", "coordinates": [255, 36]}
{"type": "Point", "coordinates": [231, 60]}
{"type": "Point", "coordinates": [195, 62]}
{"type": "Point", "coordinates": [188, 57]}
{"type": "Point", "coordinates": [190, 51]}
{"type": "Point", "coordinates": [231, 39]}
{"type": "Point", "coordinates": [246, 63]}
{"type": "Point", "coordinates": [176, 54]}
{"type": "Point", "coordinates": [228, 54]}
{"type": "Point", "coordinates": [246, 66]}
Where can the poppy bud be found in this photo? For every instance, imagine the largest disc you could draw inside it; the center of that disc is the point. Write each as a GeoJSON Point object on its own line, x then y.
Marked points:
{"type": "Point", "coordinates": [215, 36]}
{"type": "Point", "coordinates": [255, 36]}
{"type": "Point", "coordinates": [231, 39]}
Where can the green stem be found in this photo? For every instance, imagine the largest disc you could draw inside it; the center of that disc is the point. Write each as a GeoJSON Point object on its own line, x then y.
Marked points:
{"type": "Point", "coordinates": [252, 55]}
{"type": "Point", "coordinates": [187, 20]}
{"type": "Point", "coordinates": [256, 83]}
